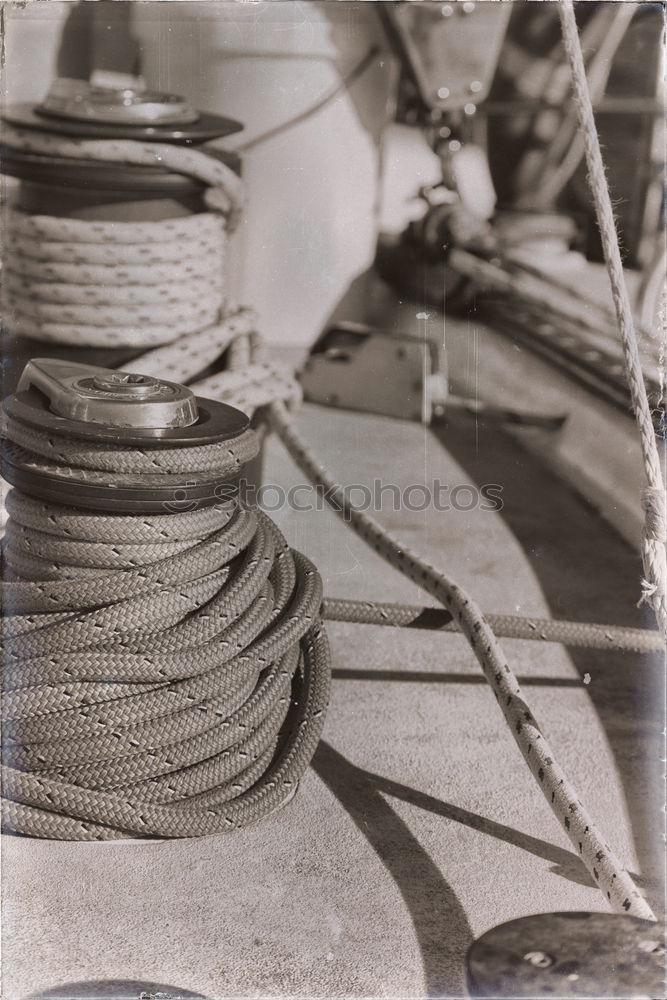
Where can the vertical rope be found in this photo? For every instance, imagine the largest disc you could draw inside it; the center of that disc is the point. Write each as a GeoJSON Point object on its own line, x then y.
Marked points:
{"type": "Point", "coordinates": [653, 498]}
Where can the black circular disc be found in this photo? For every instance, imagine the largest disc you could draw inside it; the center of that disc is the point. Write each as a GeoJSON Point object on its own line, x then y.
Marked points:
{"type": "Point", "coordinates": [103, 175]}
{"type": "Point", "coordinates": [65, 171]}
{"type": "Point", "coordinates": [208, 126]}
{"type": "Point", "coordinates": [569, 955]}
{"type": "Point", "coordinates": [217, 422]}
{"type": "Point", "coordinates": [182, 494]}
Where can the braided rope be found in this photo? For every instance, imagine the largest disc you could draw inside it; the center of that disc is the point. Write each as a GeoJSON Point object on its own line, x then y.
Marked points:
{"type": "Point", "coordinates": [588, 842]}
{"type": "Point", "coordinates": [225, 189]}
{"type": "Point", "coordinates": [78, 307]}
{"type": "Point", "coordinates": [148, 284]}
{"type": "Point", "coordinates": [654, 498]}
{"type": "Point", "coordinates": [62, 640]}
{"type": "Point", "coordinates": [53, 229]}
{"type": "Point", "coordinates": [225, 458]}
{"type": "Point", "coordinates": [176, 686]}
{"type": "Point", "coordinates": [584, 634]}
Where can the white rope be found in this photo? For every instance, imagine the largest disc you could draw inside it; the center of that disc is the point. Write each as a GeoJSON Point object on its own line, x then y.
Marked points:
{"type": "Point", "coordinates": [224, 193]}
{"type": "Point", "coordinates": [77, 307]}
{"type": "Point", "coordinates": [52, 228]}
{"type": "Point", "coordinates": [588, 841]}
{"type": "Point", "coordinates": [158, 285]}
{"type": "Point", "coordinates": [255, 382]}
{"type": "Point", "coordinates": [653, 497]}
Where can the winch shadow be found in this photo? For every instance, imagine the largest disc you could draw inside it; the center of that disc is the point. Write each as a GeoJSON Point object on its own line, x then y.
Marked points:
{"type": "Point", "coordinates": [114, 989]}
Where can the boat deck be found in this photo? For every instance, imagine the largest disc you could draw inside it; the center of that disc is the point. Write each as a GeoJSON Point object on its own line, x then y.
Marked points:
{"type": "Point", "coordinates": [418, 826]}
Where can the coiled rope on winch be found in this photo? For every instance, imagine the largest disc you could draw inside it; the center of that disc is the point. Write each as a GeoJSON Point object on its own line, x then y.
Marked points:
{"type": "Point", "coordinates": [36, 799]}
{"type": "Point", "coordinates": [101, 283]}
{"type": "Point", "coordinates": [164, 675]}
{"type": "Point", "coordinates": [113, 284]}
{"type": "Point", "coordinates": [107, 283]}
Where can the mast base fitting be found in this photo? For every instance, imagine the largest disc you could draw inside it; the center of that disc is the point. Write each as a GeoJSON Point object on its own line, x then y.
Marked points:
{"type": "Point", "coordinates": [106, 406]}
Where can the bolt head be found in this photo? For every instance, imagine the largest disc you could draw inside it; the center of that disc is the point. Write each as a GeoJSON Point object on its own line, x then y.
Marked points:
{"type": "Point", "coordinates": [126, 383]}
{"type": "Point", "coordinates": [539, 959]}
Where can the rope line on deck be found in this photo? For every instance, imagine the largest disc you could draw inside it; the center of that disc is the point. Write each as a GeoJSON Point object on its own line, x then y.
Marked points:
{"type": "Point", "coordinates": [588, 842]}
{"type": "Point", "coordinates": [33, 793]}
{"type": "Point", "coordinates": [587, 635]}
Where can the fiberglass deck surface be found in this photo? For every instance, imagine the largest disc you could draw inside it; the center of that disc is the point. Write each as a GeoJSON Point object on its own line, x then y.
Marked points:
{"type": "Point", "coordinates": [418, 826]}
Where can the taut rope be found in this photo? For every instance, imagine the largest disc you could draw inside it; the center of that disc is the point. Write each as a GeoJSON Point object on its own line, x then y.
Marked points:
{"type": "Point", "coordinates": [653, 496]}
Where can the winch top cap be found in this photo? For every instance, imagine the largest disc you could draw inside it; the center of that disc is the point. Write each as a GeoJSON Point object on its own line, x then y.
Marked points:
{"type": "Point", "coordinates": [87, 401]}
{"type": "Point", "coordinates": [125, 105]}
{"type": "Point", "coordinates": [106, 396]}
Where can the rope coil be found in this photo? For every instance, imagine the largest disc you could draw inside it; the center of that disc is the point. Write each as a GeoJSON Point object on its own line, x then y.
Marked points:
{"type": "Point", "coordinates": [48, 259]}
{"type": "Point", "coordinates": [177, 685]}
{"type": "Point", "coordinates": [121, 639]}
{"type": "Point", "coordinates": [140, 284]}
{"type": "Point", "coordinates": [105, 296]}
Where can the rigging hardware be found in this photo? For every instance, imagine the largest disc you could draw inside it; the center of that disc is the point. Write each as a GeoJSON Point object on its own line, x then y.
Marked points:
{"type": "Point", "coordinates": [570, 954]}
{"type": "Point", "coordinates": [92, 405]}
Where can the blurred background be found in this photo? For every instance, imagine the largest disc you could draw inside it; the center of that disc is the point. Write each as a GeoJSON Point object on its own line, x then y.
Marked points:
{"type": "Point", "coordinates": [379, 122]}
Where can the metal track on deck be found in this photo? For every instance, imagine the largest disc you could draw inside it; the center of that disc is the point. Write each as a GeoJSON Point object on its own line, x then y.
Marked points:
{"type": "Point", "coordinates": [571, 350]}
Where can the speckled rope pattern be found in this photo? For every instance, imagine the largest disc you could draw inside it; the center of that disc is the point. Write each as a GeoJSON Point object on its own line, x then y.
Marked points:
{"type": "Point", "coordinates": [225, 188]}
{"type": "Point", "coordinates": [587, 840]}
{"type": "Point", "coordinates": [103, 298]}
{"type": "Point", "coordinates": [140, 284]}
{"type": "Point", "coordinates": [163, 675]}
{"type": "Point", "coordinates": [28, 790]}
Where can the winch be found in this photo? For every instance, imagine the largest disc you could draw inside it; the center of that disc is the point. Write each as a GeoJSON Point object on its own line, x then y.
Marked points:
{"type": "Point", "coordinates": [99, 406]}
{"type": "Point", "coordinates": [89, 160]}
{"type": "Point", "coordinates": [185, 684]}
{"type": "Point", "coordinates": [77, 109]}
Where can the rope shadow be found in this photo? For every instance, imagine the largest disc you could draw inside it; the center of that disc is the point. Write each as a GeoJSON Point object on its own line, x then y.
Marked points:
{"type": "Point", "coordinates": [437, 677]}
{"type": "Point", "coordinates": [433, 906]}
{"type": "Point", "coordinates": [558, 530]}
{"type": "Point", "coordinates": [565, 863]}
